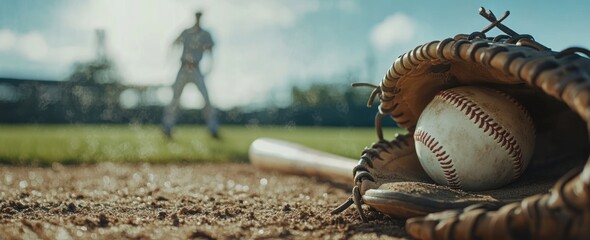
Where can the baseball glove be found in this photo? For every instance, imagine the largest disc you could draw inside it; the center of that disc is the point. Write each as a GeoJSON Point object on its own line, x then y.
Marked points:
{"type": "Point", "coordinates": [554, 87]}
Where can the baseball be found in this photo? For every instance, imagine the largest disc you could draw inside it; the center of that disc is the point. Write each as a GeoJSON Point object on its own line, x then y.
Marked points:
{"type": "Point", "coordinates": [474, 138]}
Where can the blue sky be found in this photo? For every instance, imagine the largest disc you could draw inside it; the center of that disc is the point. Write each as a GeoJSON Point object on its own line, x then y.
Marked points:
{"type": "Point", "coordinates": [264, 46]}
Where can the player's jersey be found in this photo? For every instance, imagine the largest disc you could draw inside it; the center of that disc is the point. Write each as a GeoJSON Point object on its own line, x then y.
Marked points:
{"type": "Point", "coordinates": [195, 43]}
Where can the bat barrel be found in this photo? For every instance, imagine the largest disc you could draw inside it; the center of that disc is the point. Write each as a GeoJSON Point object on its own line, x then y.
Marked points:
{"type": "Point", "coordinates": [287, 157]}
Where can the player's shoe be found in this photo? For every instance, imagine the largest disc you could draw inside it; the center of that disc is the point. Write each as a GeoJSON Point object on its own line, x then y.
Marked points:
{"type": "Point", "coordinates": [167, 132]}
{"type": "Point", "coordinates": [215, 134]}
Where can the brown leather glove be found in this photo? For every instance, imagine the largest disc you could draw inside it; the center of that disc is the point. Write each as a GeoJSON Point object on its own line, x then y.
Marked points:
{"type": "Point", "coordinates": [554, 87]}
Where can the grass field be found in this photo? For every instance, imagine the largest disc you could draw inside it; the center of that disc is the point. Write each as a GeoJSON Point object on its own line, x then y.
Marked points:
{"type": "Point", "coordinates": [74, 144]}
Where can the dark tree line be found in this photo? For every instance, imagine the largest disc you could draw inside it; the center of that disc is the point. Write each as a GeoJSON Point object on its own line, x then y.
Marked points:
{"type": "Point", "coordinates": [318, 105]}
{"type": "Point", "coordinates": [88, 102]}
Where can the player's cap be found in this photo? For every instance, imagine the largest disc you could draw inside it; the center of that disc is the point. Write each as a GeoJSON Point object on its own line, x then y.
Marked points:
{"type": "Point", "coordinates": [198, 14]}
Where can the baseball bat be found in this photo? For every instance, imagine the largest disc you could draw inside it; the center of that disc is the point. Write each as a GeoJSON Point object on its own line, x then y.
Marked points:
{"type": "Point", "coordinates": [288, 157]}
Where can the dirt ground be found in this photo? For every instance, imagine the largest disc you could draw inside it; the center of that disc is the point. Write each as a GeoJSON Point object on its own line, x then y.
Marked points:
{"type": "Point", "coordinates": [193, 201]}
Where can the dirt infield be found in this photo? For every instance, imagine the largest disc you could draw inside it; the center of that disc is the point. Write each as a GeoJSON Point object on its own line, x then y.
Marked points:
{"type": "Point", "coordinates": [195, 201]}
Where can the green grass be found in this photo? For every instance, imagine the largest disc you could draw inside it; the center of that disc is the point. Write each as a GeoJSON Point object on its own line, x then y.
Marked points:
{"type": "Point", "coordinates": [76, 144]}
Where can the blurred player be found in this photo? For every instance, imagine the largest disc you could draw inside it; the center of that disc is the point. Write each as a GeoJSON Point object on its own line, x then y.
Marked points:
{"type": "Point", "coordinates": [195, 41]}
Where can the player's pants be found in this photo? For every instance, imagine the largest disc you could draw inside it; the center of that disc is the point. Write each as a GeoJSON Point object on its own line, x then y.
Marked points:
{"type": "Point", "coordinates": [186, 74]}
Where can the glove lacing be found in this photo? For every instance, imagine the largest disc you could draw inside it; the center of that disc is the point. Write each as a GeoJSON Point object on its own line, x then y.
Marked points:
{"type": "Point", "coordinates": [361, 172]}
{"type": "Point", "coordinates": [368, 155]}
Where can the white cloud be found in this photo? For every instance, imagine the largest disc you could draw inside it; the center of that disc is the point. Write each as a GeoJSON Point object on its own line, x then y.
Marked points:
{"type": "Point", "coordinates": [33, 46]}
{"type": "Point", "coordinates": [7, 39]}
{"type": "Point", "coordinates": [395, 29]}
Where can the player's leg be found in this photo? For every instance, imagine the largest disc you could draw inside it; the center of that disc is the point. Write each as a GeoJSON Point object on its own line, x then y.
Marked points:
{"type": "Point", "coordinates": [170, 112]}
{"type": "Point", "coordinates": [209, 111]}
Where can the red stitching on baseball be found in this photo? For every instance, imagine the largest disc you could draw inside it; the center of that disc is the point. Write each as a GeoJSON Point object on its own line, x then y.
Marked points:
{"type": "Point", "coordinates": [443, 158]}
{"type": "Point", "coordinates": [487, 123]}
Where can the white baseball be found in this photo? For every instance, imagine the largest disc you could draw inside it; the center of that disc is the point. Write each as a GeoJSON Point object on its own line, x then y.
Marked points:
{"type": "Point", "coordinates": [474, 138]}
